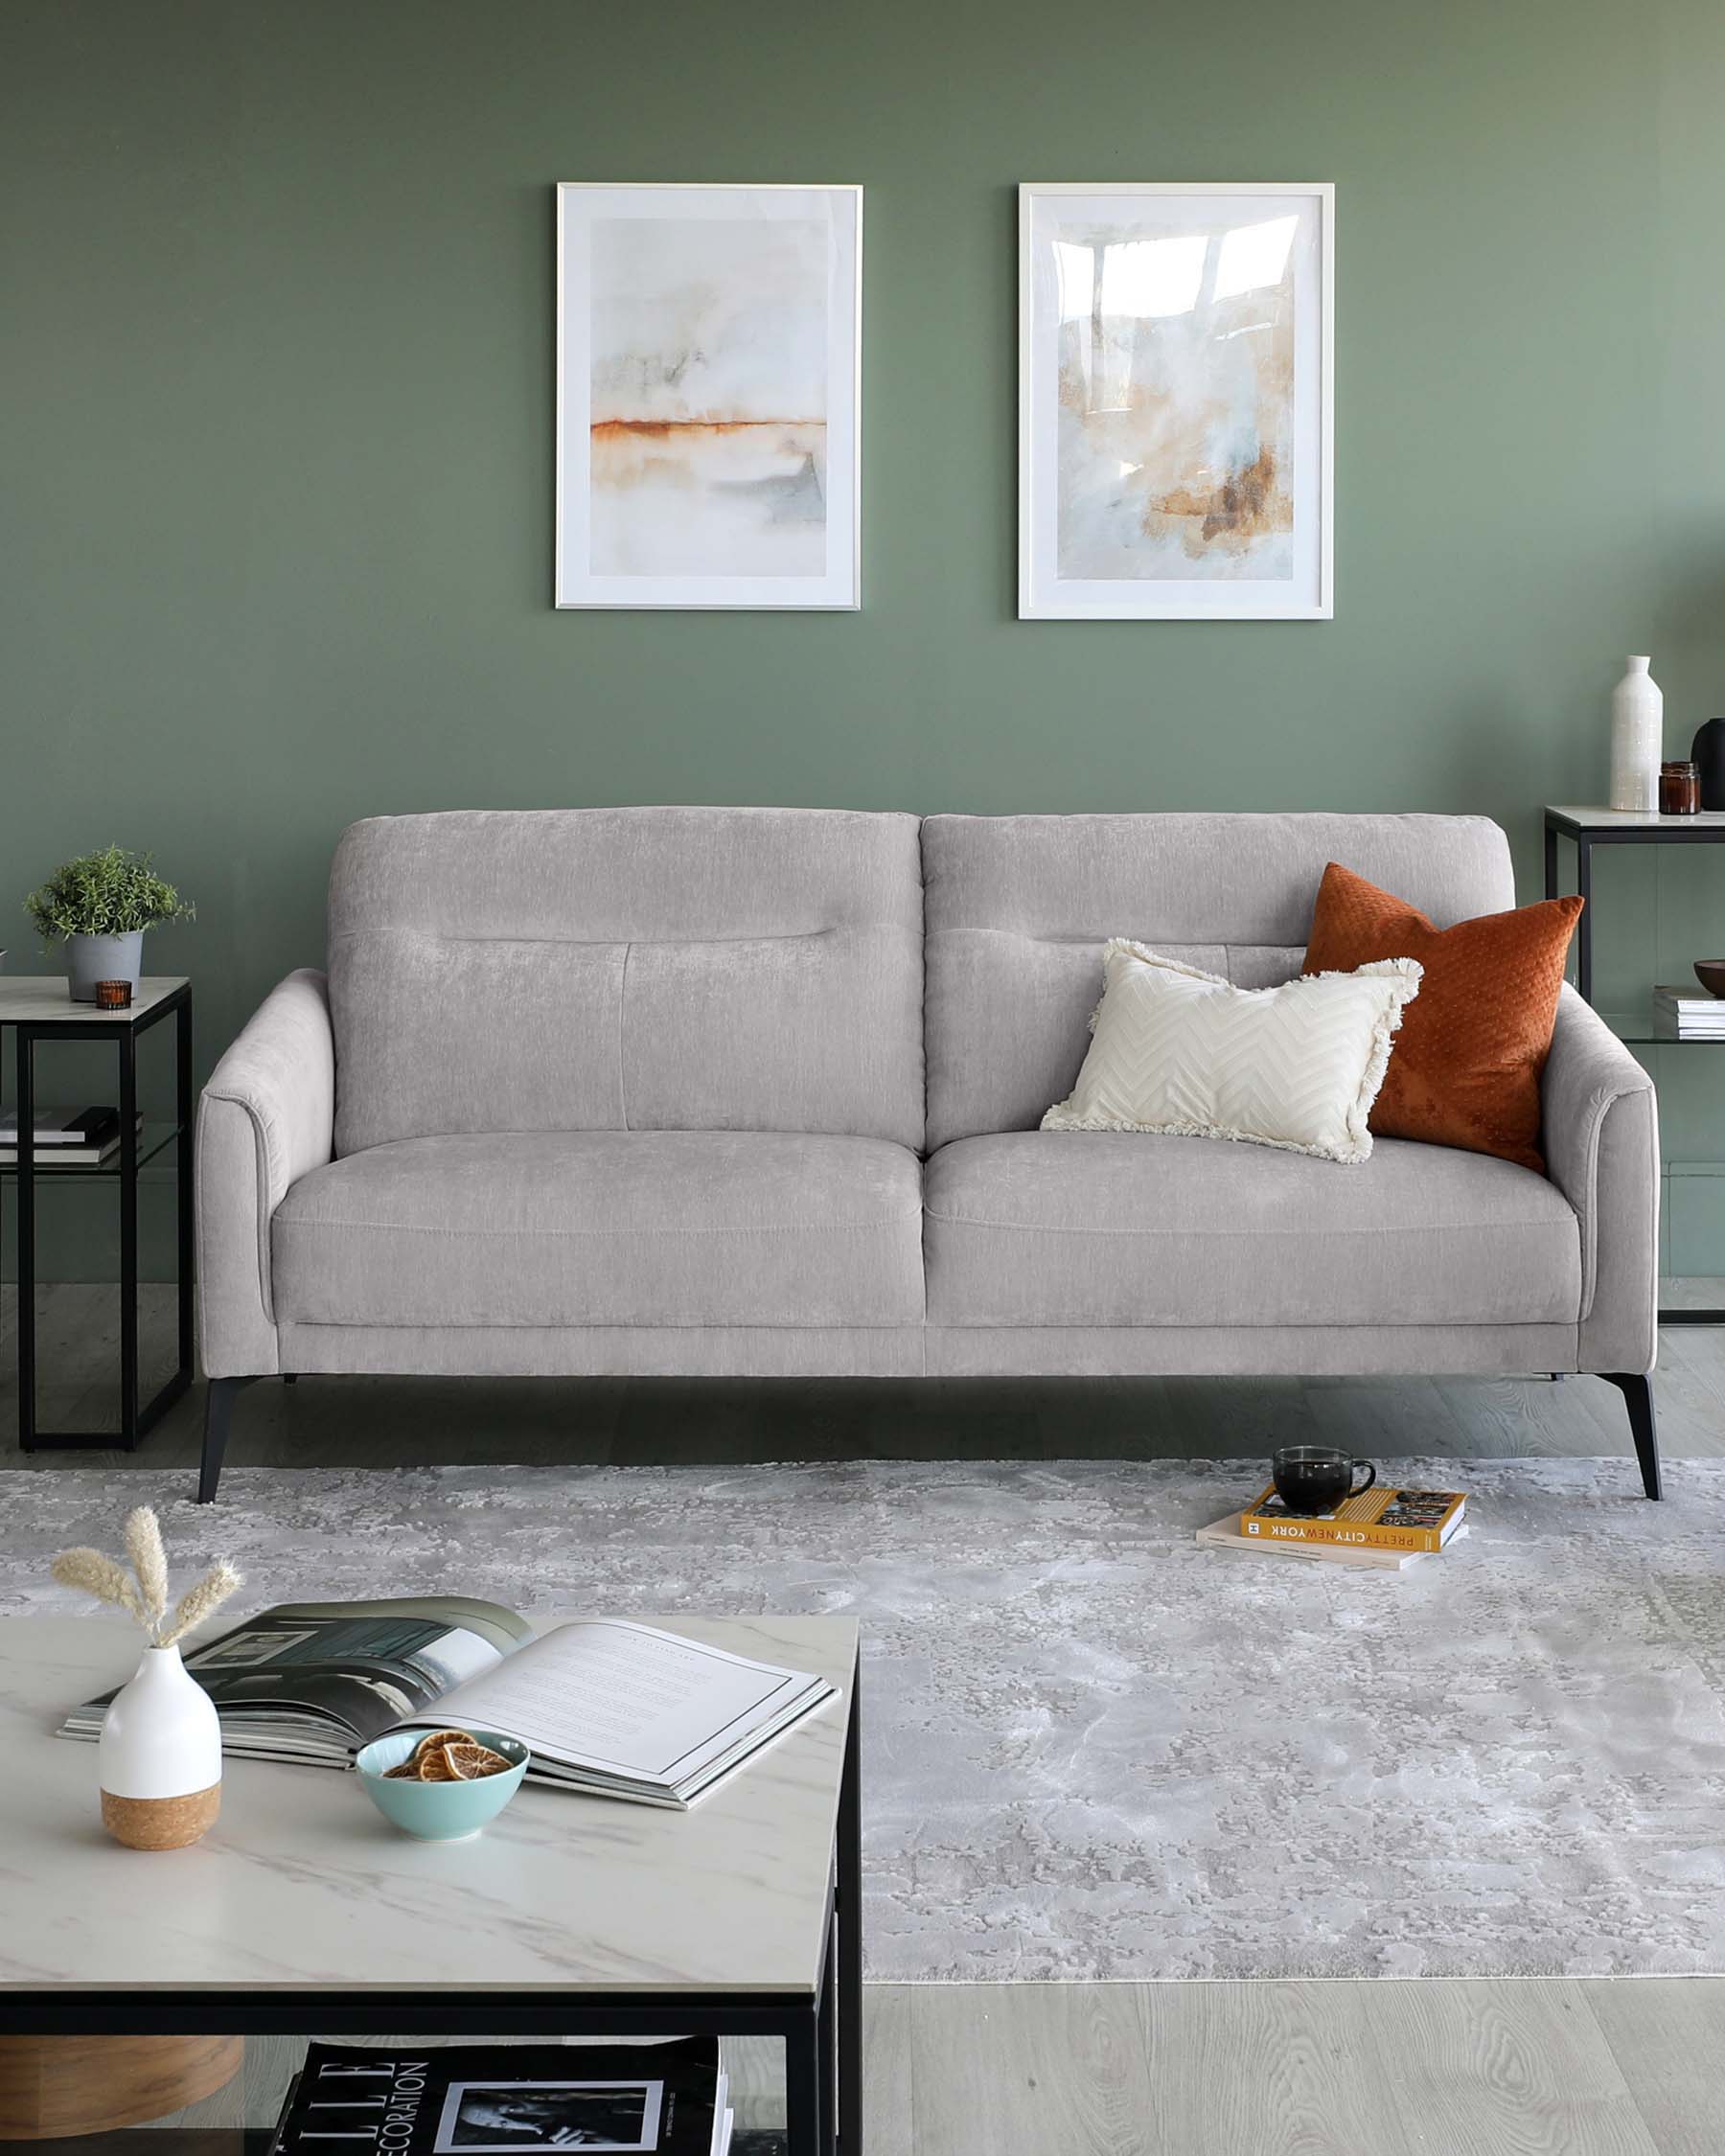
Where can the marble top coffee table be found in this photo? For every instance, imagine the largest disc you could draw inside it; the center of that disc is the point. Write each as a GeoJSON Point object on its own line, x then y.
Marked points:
{"type": "Point", "coordinates": [303, 1912]}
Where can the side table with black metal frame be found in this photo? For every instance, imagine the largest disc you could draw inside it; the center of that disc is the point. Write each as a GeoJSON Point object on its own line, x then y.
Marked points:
{"type": "Point", "coordinates": [41, 1010]}
{"type": "Point", "coordinates": [1590, 827]}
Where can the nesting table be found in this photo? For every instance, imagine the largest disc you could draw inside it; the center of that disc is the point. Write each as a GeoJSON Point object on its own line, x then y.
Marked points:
{"type": "Point", "coordinates": [40, 1011]}
{"type": "Point", "coordinates": [303, 1912]}
{"type": "Point", "coordinates": [1587, 828]}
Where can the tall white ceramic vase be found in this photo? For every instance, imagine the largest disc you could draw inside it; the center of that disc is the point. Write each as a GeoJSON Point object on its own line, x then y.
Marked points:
{"type": "Point", "coordinates": [1637, 740]}
{"type": "Point", "coordinates": [159, 1760]}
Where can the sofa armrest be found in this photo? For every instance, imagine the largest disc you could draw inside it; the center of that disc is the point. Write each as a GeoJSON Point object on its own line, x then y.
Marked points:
{"type": "Point", "coordinates": [1601, 1148]}
{"type": "Point", "coordinates": [268, 1116]}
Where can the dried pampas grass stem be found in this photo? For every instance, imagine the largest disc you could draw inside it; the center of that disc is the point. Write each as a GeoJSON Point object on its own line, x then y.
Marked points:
{"type": "Point", "coordinates": [100, 1576]}
{"type": "Point", "coordinates": [200, 1602]}
{"type": "Point", "coordinates": [146, 1601]}
{"type": "Point", "coordinates": [143, 1538]}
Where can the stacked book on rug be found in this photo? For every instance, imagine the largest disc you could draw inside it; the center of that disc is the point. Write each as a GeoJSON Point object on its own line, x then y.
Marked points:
{"type": "Point", "coordinates": [1379, 1530]}
{"type": "Point", "coordinates": [66, 1137]}
{"type": "Point", "coordinates": [606, 1708]}
{"type": "Point", "coordinates": [487, 2100]}
{"type": "Point", "coordinates": [1680, 1014]}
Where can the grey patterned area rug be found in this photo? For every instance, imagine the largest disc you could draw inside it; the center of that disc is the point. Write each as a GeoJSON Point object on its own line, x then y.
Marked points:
{"type": "Point", "coordinates": [1094, 1750]}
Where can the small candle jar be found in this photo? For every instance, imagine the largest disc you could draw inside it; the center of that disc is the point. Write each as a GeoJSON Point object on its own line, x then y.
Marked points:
{"type": "Point", "coordinates": [116, 995]}
{"type": "Point", "coordinates": [1679, 790]}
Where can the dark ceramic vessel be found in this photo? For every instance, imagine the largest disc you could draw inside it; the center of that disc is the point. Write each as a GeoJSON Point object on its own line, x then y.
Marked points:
{"type": "Point", "coordinates": [1708, 753]}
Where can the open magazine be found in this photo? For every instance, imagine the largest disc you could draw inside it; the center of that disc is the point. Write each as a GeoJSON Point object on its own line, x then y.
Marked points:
{"type": "Point", "coordinates": [605, 1706]}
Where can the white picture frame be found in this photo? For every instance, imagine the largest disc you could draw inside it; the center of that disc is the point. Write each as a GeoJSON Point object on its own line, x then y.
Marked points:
{"type": "Point", "coordinates": [1134, 504]}
{"type": "Point", "coordinates": [686, 317]}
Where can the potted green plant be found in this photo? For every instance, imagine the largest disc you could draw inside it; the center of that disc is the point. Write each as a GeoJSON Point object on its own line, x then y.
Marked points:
{"type": "Point", "coordinates": [100, 905]}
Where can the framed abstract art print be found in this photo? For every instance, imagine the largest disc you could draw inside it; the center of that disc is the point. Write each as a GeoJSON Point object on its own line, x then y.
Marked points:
{"type": "Point", "coordinates": [709, 419]}
{"type": "Point", "coordinates": [1175, 402]}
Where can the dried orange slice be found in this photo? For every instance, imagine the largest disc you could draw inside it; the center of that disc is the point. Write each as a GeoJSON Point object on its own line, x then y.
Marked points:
{"type": "Point", "coordinates": [434, 1763]}
{"type": "Point", "coordinates": [472, 1762]}
{"type": "Point", "coordinates": [436, 1740]}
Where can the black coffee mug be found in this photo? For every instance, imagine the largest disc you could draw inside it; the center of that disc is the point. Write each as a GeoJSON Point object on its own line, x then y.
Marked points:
{"type": "Point", "coordinates": [1314, 1479]}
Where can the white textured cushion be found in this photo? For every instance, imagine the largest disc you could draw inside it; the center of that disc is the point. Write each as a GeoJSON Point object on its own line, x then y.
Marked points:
{"type": "Point", "coordinates": [1187, 1054]}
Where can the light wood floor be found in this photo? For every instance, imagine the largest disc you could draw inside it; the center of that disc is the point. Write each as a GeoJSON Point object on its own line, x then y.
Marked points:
{"type": "Point", "coordinates": [1439, 2069]}
{"type": "Point", "coordinates": [1488, 2068]}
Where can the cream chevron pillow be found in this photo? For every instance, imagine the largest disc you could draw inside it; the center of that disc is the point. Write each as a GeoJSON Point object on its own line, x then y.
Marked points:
{"type": "Point", "coordinates": [1187, 1054]}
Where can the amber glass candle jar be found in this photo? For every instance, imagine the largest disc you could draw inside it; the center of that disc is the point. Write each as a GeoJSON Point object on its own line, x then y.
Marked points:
{"type": "Point", "coordinates": [1679, 790]}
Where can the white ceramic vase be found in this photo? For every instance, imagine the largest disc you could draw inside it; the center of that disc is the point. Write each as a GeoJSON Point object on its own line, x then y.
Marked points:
{"type": "Point", "coordinates": [1637, 740]}
{"type": "Point", "coordinates": [159, 1760]}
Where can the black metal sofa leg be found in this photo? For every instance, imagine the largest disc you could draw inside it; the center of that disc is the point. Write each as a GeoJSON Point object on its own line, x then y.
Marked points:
{"type": "Point", "coordinates": [1638, 1393]}
{"type": "Point", "coordinates": [219, 1413]}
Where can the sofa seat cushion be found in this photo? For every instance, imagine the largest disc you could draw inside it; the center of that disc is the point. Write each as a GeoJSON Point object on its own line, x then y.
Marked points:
{"type": "Point", "coordinates": [605, 1227]}
{"type": "Point", "coordinates": [1102, 1228]}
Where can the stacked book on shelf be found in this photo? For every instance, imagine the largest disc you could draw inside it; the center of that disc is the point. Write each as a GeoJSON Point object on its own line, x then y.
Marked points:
{"type": "Point", "coordinates": [1680, 1014]}
{"type": "Point", "coordinates": [1379, 1530]}
{"type": "Point", "coordinates": [66, 1137]}
{"type": "Point", "coordinates": [486, 2099]}
{"type": "Point", "coordinates": [608, 1707]}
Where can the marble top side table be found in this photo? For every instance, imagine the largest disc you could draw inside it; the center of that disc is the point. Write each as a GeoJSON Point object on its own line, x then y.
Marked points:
{"type": "Point", "coordinates": [40, 1011]}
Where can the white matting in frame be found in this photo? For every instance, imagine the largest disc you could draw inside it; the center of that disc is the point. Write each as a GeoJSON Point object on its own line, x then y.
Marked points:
{"type": "Point", "coordinates": [1176, 402]}
{"type": "Point", "coordinates": [544, 2118]}
{"type": "Point", "coordinates": [708, 406]}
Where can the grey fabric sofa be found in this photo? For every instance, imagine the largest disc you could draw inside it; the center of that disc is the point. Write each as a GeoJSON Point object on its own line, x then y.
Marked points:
{"type": "Point", "coordinates": [754, 1091]}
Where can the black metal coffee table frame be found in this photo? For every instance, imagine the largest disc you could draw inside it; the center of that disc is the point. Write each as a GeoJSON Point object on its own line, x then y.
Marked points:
{"type": "Point", "coordinates": [823, 2033]}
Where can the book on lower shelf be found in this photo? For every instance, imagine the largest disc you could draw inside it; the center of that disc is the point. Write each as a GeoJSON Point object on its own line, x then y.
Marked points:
{"type": "Point", "coordinates": [1681, 1015]}
{"type": "Point", "coordinates": [62, 1126]}
{"type": "Point", "coordinates": [64, 1156]}
{"type": "Point", "coordinates": [492, 2100]}
{"type": "Point", "coordinates": [64, 1138]}
{"type": "Point", "coordinates": [607, 1707]}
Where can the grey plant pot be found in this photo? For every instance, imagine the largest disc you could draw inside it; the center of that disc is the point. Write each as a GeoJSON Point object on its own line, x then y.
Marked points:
{"type": "Point", "coordinates": [93, 958]}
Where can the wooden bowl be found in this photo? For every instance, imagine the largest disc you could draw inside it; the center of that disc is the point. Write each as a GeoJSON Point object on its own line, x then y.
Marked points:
{"type": "Point", "coordinates": [1711, 973]}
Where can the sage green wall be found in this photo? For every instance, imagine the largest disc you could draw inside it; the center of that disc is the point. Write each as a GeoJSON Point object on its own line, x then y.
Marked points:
{"type": "Point", "coordinates": [277, 348]}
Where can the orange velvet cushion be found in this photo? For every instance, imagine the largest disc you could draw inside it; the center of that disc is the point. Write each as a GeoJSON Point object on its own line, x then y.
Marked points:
{"type": "Point", "coordinates": [1465, 1068]}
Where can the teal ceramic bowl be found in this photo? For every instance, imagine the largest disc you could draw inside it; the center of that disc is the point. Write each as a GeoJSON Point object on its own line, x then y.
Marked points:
{"type": "Point", "coordinates": [438, 1811]}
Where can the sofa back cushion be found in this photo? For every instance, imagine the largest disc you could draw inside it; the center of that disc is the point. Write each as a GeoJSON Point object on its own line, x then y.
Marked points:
{"type": "Point", "coordinates": [627, 969]}
{"type": "Point", "coordinates": [1019, 908]}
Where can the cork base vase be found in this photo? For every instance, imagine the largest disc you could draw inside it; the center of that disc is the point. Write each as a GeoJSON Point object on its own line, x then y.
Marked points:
{"type": "Point", "coordinates": [159, 1760]}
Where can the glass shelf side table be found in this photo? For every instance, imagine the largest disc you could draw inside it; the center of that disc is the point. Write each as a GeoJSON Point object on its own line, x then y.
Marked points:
{"type": "Point", "coordinates": [41, 1010]}
{"type": "Point", "coordinates": [1589, 827]}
